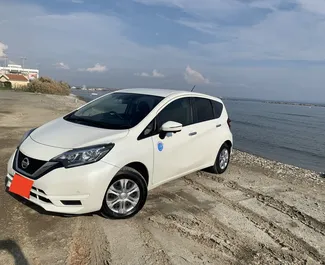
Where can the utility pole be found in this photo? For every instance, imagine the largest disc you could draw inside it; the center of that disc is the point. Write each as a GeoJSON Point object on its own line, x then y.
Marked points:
{"type": "Point", "coordinates": [5, 60]}
{"type": "Point", "coordinates": [23, 59]}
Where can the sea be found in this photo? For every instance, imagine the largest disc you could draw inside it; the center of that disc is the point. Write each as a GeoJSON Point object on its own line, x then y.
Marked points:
{"type": "Point", "coordinates": [288, 133]}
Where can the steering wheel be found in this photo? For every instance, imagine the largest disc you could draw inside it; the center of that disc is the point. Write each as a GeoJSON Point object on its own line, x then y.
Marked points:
{"type": "Point", "coordinates": [112, 112]}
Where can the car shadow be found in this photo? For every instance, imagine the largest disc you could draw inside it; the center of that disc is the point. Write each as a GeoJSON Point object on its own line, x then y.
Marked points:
{"type": "Point", "coordinates": [13, 248]}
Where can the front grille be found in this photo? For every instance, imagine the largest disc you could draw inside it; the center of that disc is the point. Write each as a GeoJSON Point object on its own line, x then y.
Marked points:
{"type": "Point", "coordinates": [36, 168]}
{"type": "Point", "coordinates": [33, 166]}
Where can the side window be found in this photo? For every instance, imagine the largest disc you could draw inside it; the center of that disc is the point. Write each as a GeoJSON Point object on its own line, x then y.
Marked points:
{"type": "Point", "coordinates": [218, 107]}
{"type": "Point", "coordinates": [203, 110]}
{"type": "Point", "coordinates": [178, 110]}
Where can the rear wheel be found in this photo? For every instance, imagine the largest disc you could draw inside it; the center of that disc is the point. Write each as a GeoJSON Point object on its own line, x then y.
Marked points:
{"type": "Point", "coordinates": [125, 196]}
{"type": "Point", "coordinates": [222, 161]}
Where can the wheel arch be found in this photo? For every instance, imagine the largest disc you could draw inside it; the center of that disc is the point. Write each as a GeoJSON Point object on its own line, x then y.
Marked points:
{"type": "Point", "coordinates": [141, 168]}
{"type": "Point", "coordinates": [228, 143]}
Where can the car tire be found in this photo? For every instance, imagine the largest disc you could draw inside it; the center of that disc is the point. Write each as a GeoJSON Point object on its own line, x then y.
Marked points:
{"type": "Point", "coordinates": [125, 195]}
{"type": "Point", "coordinates": [222, 161]}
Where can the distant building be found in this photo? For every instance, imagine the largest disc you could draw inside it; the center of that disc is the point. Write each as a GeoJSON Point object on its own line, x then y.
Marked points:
{"type": "Point", "coordinates": [17, 69]}
{"type": "Point", "coordinates": [13, 80]}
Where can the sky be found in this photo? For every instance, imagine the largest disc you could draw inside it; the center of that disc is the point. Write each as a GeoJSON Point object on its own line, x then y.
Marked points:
{"type": "Point", "coordinates": [266, 49]}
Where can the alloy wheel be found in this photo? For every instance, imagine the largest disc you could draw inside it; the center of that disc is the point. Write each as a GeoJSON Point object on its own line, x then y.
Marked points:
{"type": "Point", "coordinates": [224, 158]}
{"type": "Point", "coordinates": [122, 196]}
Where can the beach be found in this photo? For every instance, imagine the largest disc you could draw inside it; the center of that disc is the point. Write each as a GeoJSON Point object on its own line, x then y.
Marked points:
{"type": "Point", "coordinates": [258, 212]}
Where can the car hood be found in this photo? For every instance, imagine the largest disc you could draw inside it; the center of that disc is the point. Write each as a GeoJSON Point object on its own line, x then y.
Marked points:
{"type": "Point", "coordinates": [64, 134]}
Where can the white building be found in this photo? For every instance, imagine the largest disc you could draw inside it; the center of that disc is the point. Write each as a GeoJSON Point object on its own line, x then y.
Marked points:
{"type": "Point", "coordinates": [17, 69]}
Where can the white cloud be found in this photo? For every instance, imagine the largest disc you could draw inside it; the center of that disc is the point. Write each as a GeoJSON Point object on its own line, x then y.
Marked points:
{"type": "Point", "coordinates": [143, 74]}
{"type": "Point", "coordinates": [62, 65]}
{"type": "Point", "coordinates": [271, 40]}
{"type": "Point", "coordinates": [155, 74]}
{"type": "Point", "coordinates": [315, 6]}
{"type": "Point", "coordinates": [194, 77]}
{"type": "Point", "coordinates": [3, 47]}
{"type": "Point", "coordinates": [61, 35]}
{"type": "Point", "coordinates": [203, 9]}
{"type": "Point", "coordinates": [205, 27]}
{"type": "Point", "coordinates": [96, 68]}
{"type": "Point", "coordinates": [270, 4]}
{"type": "Point", "coordinates": [78, 1]}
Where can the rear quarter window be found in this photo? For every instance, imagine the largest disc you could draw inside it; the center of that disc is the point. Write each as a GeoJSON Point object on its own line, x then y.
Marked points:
{"type": "Point", "coordinates": [217, 108]}
{"type": "Point", "coordinates": [202, 110]}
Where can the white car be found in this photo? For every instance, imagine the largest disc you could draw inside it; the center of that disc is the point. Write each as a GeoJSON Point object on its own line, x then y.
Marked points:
{"type": "Point", "coordinates": [108, 153]}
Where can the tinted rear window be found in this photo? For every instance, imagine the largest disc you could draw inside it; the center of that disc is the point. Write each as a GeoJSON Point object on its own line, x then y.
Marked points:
{"type": "Point", "coordinates": [218, 107]}
{"type": "Point", "coordinates": [202, 110]}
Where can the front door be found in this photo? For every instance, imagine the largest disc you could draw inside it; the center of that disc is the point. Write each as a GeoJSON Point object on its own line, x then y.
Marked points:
{"type": "Point", "coordinates": [173, 154]}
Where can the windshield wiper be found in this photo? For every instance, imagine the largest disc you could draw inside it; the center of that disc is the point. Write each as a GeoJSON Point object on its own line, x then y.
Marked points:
{"type": "Point", "coordinates": [80, 120]}
{"type": "Point", "coordinates": [87, 122]}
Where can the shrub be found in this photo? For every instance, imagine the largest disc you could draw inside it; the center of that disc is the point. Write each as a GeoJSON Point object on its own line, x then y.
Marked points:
{"type": "Point", "coordinates": [47, 85]}
{"type": "Point", "coordinates": [5, 85]}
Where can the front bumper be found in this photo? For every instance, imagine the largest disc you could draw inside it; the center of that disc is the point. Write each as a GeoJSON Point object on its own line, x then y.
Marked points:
{"type": "Point", "coordinates": [75, 190]}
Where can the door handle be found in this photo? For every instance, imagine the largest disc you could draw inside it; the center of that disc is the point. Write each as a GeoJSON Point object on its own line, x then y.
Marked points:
{"type": "Point", "coordinates": [192, 133]}
{"type": "Point", "coordinates": [218, 125]}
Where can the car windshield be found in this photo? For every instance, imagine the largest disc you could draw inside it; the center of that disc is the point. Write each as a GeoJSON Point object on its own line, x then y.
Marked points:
{"type": "Point", "coordinates": [115, 111]}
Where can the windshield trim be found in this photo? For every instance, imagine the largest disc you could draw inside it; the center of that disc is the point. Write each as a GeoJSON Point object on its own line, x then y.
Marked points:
{"type": "Point", "coordinates": [78, 120]}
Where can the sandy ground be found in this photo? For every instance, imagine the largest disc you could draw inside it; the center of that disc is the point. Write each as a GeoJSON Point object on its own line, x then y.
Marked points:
{"type": "Point", "coordinates": [259, 212]}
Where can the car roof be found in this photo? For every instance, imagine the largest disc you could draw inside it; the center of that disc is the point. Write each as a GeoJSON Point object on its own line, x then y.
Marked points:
{"type": "Point", "coordinates": [162, 92]}
{"type": "Point", "coordinates": [152, 91]}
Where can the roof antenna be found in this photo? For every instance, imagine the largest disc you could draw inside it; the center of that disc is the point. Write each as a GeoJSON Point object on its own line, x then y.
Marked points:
{"type": "Point", "coordinates": [193, 88]}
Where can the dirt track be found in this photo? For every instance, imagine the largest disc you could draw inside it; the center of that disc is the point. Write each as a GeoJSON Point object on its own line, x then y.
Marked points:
{"type": "Point", "coordinates": [259, 212]}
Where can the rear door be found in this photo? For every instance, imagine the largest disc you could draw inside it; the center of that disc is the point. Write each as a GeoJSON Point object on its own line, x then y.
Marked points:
{"type": "Point", "coordinates": [206, 126]}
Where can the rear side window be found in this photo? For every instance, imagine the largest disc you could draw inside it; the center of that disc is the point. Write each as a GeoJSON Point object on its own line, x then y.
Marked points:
{"type": "Point", "coordinates": [202, 110]}
{"type": "Point", "coordinates": [218, 107]}
{"type": "Point", "coordinates": [178, 110]}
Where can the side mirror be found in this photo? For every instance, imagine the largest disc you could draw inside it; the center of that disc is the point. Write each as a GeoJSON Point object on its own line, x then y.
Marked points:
{"type": "Point", "coordinates": [171, 126]}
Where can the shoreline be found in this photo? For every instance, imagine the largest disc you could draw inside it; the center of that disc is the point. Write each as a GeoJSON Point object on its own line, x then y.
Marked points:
{"type": "Point", "coordinates": [321, 105]}
{"type": "Point", "coordinates": [276, 168]}
{"type": "Point", "coordinates": [266, 101]}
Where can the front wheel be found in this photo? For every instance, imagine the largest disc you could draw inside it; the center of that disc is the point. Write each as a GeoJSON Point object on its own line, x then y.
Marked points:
{"type": "Point", "coordinates": [125, 196]}
{"type": "Point", "coordinates": [222, 161]}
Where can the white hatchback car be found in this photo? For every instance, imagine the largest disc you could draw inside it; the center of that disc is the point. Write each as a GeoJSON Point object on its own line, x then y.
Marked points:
{"type": "Point", "coordinates": [108, 153]}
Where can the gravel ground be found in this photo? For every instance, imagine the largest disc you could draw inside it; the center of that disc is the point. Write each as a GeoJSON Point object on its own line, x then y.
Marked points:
{"type": "Point", "coordinates": [258, 212]}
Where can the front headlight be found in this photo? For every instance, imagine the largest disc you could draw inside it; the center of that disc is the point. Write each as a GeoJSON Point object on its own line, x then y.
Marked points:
{"type": "Point", "coordinates": [83, 156]}
{"type": "Point", "coordinates": [25, 136]}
